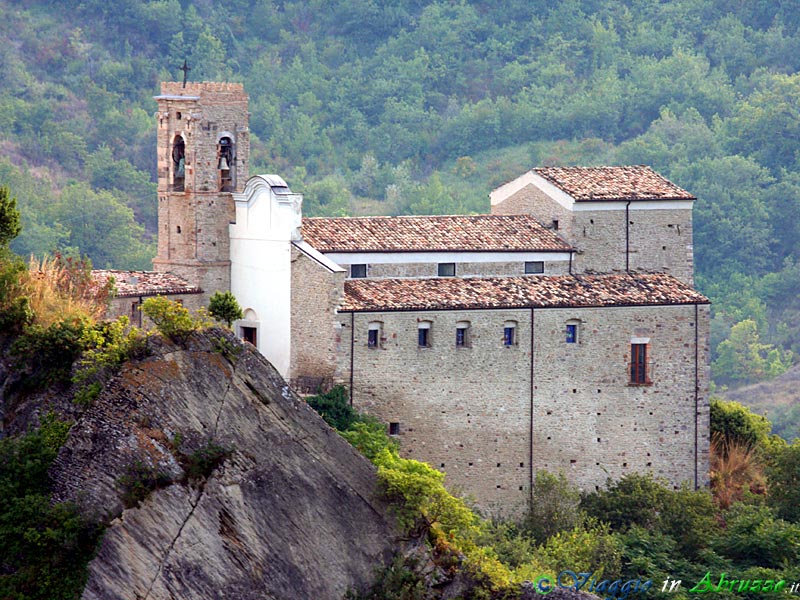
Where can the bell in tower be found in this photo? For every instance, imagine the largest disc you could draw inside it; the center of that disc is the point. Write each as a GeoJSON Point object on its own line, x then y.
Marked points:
{"type": "Point", "coordinates": [225, 164]}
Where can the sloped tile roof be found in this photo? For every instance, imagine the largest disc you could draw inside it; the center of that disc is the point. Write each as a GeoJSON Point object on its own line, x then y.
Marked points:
{"type": "Point", "coordinates": [144, 283]}
{"type": "Point", "coordinates": [613, 183]}
{"type": "Point", "coordinates": [487, 233]}
{"type": "Point", "coordinates": [555, 291]}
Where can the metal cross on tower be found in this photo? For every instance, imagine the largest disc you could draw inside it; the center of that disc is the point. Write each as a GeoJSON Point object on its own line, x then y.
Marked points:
{"type": "Point", "coordinates": [185, 68]}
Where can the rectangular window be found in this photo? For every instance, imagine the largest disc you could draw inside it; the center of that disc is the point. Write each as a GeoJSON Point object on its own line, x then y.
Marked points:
{"type": "Point", "coordinates": [394, 428]}
{"type": "Point", "coordinates": [572, 333]}
{"type": "Point", "coordinates": [358, 271]}
{"type": "Point", "coordinates": [461, 337]}
{"type": "Point", "coordinates": [533, 267]}
{"type": "Point", "coordinates": [639, 363]}
{"type": "Point", "coordinates": [508, 335]}
{"type": "Point", "coordinates": [424, 338]}
{"type": "Point", "coordinates": [372, 339]}
{"type": "Point", "coordinates": [447, 269]}
{"type": "Point", "coordinates": [249, 335]}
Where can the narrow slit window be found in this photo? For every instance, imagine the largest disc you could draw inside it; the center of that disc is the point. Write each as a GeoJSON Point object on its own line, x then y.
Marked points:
{"type": "Point", "coordinates": [462, 334]}
{"type": "Point", "coordinates": [639, 365]}
{"type": "Point", "coordinates": [509, 333]}
{"type": "Point", "coordinates": [572, 331]}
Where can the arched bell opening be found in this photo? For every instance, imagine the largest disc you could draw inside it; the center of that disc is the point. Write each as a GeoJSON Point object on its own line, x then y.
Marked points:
{"type": "Point", "coordinates": [226, 164]}
{"type": "Point", "coordinates": [178, 164]}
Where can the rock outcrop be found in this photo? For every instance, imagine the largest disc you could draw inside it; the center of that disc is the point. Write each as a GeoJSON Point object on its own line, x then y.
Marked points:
{"type": "Point", "coordinates": [292, 512]}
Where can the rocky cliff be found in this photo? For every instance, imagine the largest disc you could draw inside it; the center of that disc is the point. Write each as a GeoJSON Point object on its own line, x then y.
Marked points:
{"type": "Point", "coordinates": [292, 511]}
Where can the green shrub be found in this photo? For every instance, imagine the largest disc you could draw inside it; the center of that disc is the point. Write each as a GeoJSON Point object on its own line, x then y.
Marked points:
{"type": "Point", "coordinates": [334, 407]}
{"type": "Point", "coordinates": [44, 547]}
{"type": "Point", "coordinates": [398, 581]}
{"type": "Point", "coordinates": [50, 352]}
{"type": "Point", "coordinates": [172, 319]}
{"type": "Point", "coordinates": [199, 465]}
{"type": "Point", "coordinates": [106, 346]}
{"type": "Point", "coordinates": [783, 474]}
{"type": "Point", "coordinates": [369, 437]}
{"type": "Point", "coordinates": [553, 507]}
{"type": "Point", "coordinates": [139, 480]}
{"type": "Point", "coordinates": [737, 424]}
{"type": "Point", "coordinates": [755, 537]}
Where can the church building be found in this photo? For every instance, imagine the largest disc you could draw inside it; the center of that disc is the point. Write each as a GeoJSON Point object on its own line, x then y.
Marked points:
{"type": "Point", "coordinates": [561, 331]}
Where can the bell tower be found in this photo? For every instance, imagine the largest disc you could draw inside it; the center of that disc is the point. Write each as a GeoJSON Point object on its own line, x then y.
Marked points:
{"type": "Point", "coordinates": [203, 154]}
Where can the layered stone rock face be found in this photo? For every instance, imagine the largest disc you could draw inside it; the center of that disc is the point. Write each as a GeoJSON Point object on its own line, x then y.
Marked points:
{"type": "Point", "coordinates": [293, 512]}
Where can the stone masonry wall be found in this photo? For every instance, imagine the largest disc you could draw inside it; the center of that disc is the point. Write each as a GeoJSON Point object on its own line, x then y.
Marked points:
{"type": "Point", "coordinates": [659, 240]}
{"type": "Point", "coordinates": [463, 269]}
{"type": "Point", "coordinates": [463, 410]}
{"type": "Point", "coordinates": [591, 423]}
{"type": "Point", "coordinates": [316, 293]}
{"type": "Point", "coordinates": [467, 411]}
{"type": "Point", "coordinates": [530, 200]}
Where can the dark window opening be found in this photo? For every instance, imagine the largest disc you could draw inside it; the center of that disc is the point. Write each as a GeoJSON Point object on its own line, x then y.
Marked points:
{"type": "Point", "coordinates": [572, 333]}
{"type": "Point", "coordinates": [225, 164]}
{"type": "Point", "coordinates": [533, 267]}
{"type": "Point", "coordinates": [394, 428]}
{"type": "Point", "coordinates": [178, 229]}
{"type": "Point", "coordinates": [508, 336]}
{"type": "Point", "coordinates": [178, 164]}
{"type": "Point", "coordinates": [372, 339]}
{"type": "Point", "coordinates": [249, 335]}
{"type": "Point", "coordinates": [447, 269]}
{"type": "Point", "coordinates": [639, 372]}
{"type": "Point", "coordinates": [555, 224]}
{"type": "Point", "coordinates": [358, 271]}
{"type": "Point", "coordinates": [461, 337]}
{"type": "Point", "coordinates": [424, 337]}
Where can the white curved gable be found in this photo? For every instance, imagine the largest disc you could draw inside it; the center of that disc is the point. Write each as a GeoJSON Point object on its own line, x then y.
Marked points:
{"type": "Point", "coordinates": [268, 220]}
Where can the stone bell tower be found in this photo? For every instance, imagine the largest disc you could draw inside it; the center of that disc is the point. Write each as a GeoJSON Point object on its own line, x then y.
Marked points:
{"type": "Point", "coordinates": [203, 154]}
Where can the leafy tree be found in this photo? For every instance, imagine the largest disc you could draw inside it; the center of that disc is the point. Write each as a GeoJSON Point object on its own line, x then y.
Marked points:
{"type": "Point", "coordinates": [743, 358]}
{"type": "Point", "coordinates": [224, 307]}
{"type": "Point", "coordinates": [9, 217]}
{"type": "Point", "coordinates": [737, 423]}
{"type": "Point", "coordinates": [554, 506]}
{"type": "Point", "coordinates": [784, 482]}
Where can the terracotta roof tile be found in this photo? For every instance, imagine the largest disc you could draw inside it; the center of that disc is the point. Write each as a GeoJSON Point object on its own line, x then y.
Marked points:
{"type": "Point", "coordinates": [613, 183]}
{"type": "Point", "coordinates": [488, 233]}
{"type": "Point", "coordinates": [639, 289]}
{"type": "Point", "coordinates": [144, 283]}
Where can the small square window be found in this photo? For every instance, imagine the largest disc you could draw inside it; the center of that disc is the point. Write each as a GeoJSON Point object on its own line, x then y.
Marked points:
{"type": "Point", "coordinates": [249, 334]}
{"type": "Point", "coordinates": [394, 428]}
{"type": "Point", "coordinates": [534, 267]}
{"type": "Point", "coordinates": [447, 269]}
{"type": "Point", "coordinates": [358, 271]}
{"type": "Point", "coordinates": [572, 333]}
{"type": "Point", "coordinates": [509, 335]}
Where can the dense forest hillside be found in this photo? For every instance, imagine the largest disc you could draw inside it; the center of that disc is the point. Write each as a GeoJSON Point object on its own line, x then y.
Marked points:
{"type": "Point", "coordinates": [416, 106]}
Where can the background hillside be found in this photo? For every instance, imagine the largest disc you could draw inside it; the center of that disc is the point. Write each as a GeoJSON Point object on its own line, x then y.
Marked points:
{"type": "Point", "coordinates": [421, 107]}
